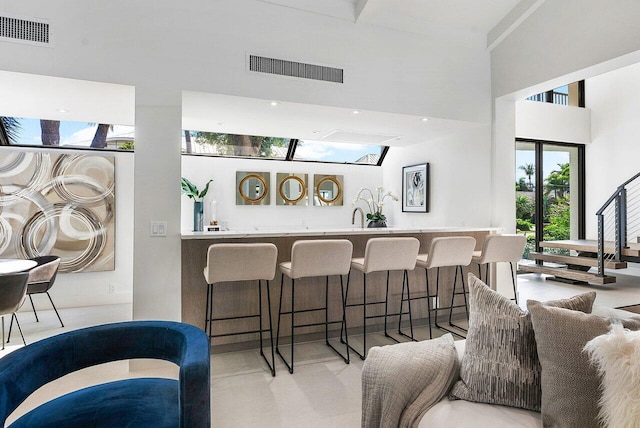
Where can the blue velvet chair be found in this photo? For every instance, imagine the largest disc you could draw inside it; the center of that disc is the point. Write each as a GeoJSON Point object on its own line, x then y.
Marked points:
{"type": "Point", "coordinates": [140, 402]}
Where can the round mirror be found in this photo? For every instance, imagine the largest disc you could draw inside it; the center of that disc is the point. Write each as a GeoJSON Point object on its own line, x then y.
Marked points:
{"type": "Point", "coordinates": [292, 189]}
{"type": "Point", "coordinates": [328, 190]}
{"type": "Point", "coordinates": [252, 188]}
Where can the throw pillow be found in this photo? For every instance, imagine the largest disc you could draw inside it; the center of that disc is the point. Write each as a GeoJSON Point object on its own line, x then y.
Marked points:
{"type": "Point", "coordinates": [617, 358]}
{"type": "Point", "coordinates": [569, 383]}
{"type": "Point", "coordinates": [500, 364]}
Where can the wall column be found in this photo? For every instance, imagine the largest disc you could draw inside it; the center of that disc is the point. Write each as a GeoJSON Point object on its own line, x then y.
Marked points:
{"type": "Point", "coordinates": [503, 179]}
{"type": "Point", "coordinates": [157, 171]}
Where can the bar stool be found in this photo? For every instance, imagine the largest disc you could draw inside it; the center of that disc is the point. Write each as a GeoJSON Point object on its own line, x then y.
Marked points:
{"type": "Point", "coordinates": [314, 258]}
{"type": "Point", "coordinates": [241, 262]}
{"type": "Point", "coordinates": [500, 248]}
{"type": "Point", "coordinates": [385, 254]}
{"type": "Point", "coordinates": [447, 252]}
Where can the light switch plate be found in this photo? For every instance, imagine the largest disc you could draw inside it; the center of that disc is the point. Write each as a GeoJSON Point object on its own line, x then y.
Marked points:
{"type": "Point", "coordinates": [157, 228]}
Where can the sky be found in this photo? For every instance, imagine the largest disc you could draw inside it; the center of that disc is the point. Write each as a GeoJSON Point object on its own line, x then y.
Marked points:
{"type": "Point", "coordinates": [550, 161]}
{"type": "Point", "coordinates": [81, 134]}
{"type": "Point", "coordinates": [74, 133]}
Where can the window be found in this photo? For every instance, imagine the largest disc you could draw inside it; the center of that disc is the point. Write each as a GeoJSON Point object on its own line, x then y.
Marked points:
{"type": "Point", "coordinates": [323, 151]}
{"type": "Point", "coordinates": [218, 144]}
{"type": "Point", "coordinates": [288, 149]}
{"type": "Point", "coordinates": [549, 191]}
{"type": "Point", "coordinates": [568, 95]}
{"type": "Point", "coordinates": [52, 133]}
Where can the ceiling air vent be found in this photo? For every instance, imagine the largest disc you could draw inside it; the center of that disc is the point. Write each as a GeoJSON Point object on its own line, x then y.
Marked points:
{"type": "Point", "coordinates": [34, 32]}
{"type": "Point", "coordinates": [282, 67]}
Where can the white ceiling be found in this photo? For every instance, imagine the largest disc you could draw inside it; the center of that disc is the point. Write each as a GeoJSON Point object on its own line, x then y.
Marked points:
{"type": "Point", "coordinates": [411, 15]}
{"type": "Point", "coordinates": [44, 97]}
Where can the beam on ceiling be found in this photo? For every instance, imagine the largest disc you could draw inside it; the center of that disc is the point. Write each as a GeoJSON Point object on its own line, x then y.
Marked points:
{"type": "Point", "coordinates": [511, 21]}
{"type": "Point", "coordinates": [359, 7]}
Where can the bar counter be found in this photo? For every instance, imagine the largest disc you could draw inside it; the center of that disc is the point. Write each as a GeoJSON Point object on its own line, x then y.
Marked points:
{"type": "Point", "coordinates": [237, 298]}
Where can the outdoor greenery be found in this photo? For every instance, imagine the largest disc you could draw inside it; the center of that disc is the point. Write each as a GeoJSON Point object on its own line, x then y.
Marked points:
{"type": "Point", "coordinates": [555, 206]}
{"type": "Point", "coordinates": [237, 145]}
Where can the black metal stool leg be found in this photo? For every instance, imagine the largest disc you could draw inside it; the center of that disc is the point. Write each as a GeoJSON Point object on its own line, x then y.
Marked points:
{"type": "Point", "coordinates": [207, 313]}
{"type": "Point", "coordinates": [437, 306]}
{"type": "Point", "coordinates": [343, 327]}
{"type": "Point", "coordinates": [289, 365]}
{"type": "Point", "coordinates": [386, 307]}
{"type": "Point", "coordinates": [270, 365]}
{"type": "Point", "coordinates": [513, 279]}
{"type": "Point", "coordinates": [273, 357]}
{"type": "Point", "coordinates": [279, 313]}
{"type": "Point", "coordinates": [326, 320]}
{"type": "Point", "coordinates": [405, 280]}
{"type": "Point", "coordinates": [426, 274]}
{"type": "Point", "coordinates": [344, 316]}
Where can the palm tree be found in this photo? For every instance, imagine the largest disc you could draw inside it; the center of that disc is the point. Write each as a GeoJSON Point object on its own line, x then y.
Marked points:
{"type": "Point", "coordinates": [529, 170]}
{"type": "Point", "coordinates": [9, 130]}
{"type": "Point", "coordinates": [100, 137]}
{"type": "Point", "coordinates": [558, 181]}
{"type": "Point", "coordinates": [50, 132]}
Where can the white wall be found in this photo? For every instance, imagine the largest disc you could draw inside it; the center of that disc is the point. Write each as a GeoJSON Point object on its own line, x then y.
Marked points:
{"type": "Point", "coordinates": [199, 169]}
{"type": "Point", "coordinates": [460, 179]}
{"type": "Point", "coordinates": [202, 46]}
{"type": "Point", "coordinates": [553, 122]}
{"type": "Point", "coordinates": [563, 37]}
{"type": "Point", "coordinates": [614, 154]}
{"type": "Point", "coordinates": [92, 288]}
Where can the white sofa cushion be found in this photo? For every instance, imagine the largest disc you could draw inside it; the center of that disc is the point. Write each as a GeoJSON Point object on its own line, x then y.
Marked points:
{"type": "Point", "coordinates": [465, 414]}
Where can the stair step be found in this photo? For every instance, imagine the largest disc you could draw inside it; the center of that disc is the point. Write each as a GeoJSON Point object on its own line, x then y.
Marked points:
{"type": "Point", "coordinates": [591, 246]}
{"type": "Point", "coordinates": [576, 260]}
{"type": "Point", "coordinates": [569, 274]}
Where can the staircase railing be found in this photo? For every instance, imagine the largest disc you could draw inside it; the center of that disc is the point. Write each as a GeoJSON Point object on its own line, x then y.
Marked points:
{"type": "Point", "coordinates": [621, 220]}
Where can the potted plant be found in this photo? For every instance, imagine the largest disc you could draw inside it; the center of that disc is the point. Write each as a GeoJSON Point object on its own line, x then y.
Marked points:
{"type": "Point", "coordinates": [375, 216]}
{"type": "Point", "coordinates": [191, 190]}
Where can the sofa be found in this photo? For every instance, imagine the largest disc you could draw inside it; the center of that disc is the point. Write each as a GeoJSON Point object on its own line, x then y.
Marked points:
{"type": "Point", "coordinates": [137, 402]}
{"type": "Point", "coordinates": [424, 384]}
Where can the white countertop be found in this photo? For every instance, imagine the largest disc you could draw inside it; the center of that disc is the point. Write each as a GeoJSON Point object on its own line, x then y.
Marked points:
{"type": "Point", "coordinates": [327, 231]}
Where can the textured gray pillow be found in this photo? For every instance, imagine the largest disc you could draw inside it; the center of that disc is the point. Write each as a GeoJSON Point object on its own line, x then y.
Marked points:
{"type": "Point", "coordinates": [500, 364]}
{"type": "Point", "coordinates": [570, 385]}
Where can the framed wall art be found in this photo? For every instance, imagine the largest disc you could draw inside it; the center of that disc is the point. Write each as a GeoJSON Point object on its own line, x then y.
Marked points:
{"type": "Point", "coordinates": [415, 188]}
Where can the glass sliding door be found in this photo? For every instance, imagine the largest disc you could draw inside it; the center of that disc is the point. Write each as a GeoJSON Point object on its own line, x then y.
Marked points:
{"type": "Point", "coordinates": [549, 191]}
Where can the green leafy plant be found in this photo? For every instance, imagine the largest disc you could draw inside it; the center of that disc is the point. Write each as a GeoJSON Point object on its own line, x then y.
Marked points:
{"type": "Point", "coordinates": [190, 189]}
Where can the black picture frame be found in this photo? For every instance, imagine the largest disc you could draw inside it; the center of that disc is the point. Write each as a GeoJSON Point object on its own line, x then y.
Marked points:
{"type": "Point", "coordinates": [415, 188]}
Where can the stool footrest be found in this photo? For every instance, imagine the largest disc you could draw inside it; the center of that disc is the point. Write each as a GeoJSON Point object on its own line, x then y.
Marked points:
{"type": "Point", "coordinates": [240, 332]}
{"type": "Point", "coordinates": [234, 318]}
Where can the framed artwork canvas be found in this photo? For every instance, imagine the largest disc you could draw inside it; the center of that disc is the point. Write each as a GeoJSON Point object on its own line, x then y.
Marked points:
{"type": "Point", "coordinates": [415, 188]}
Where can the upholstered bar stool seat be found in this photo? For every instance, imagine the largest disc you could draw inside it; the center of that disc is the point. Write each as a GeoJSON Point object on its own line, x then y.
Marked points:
{"type": "Point", "coordinates": [449, 251]}
{"type": "Point", "coordinates": [497, 249]}
{"type": "Point", "coordinates": [386, 254]}
{"type": "Point", "coordinates": [314, 258]}
{"type": "Point", "coordinates": [241, 262]}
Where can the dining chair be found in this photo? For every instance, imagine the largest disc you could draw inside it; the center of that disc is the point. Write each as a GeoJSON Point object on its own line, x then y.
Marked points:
{"type": "Point", "coordinates": [13, 288]}
{"type": "Point", "coordinates": [41, 279]}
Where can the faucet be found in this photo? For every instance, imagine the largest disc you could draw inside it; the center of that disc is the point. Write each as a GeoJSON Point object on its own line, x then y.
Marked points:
{"type": "Point", "coordinates": [353, 216]}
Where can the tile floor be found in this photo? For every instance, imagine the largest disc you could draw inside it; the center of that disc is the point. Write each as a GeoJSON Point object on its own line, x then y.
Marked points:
{"type": "Point", "coordinates": [323, 391]}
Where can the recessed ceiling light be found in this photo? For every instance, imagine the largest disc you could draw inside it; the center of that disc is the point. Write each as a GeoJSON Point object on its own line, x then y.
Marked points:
{"type": "Point", "coordinates": [316, 132]}
{"type": "Point", "coordinates": [273, 103]}
{"type": "Point", "coordinates": [61, 110]}
{"type": "Point", "coordinates": [219, 123]}
{"type": "Point", "coordinates": [356, 112]}
{"type": "Point", "coordinates": [425, 119]}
